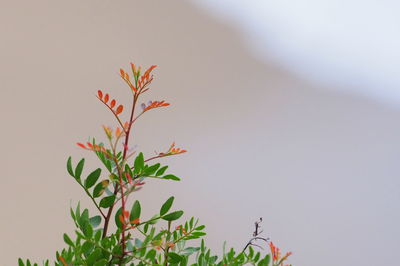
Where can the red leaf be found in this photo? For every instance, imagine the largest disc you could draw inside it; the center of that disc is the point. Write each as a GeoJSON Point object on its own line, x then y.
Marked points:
{"type": "Point", "coordinates": [100, 94]}
{"type": "Point", "coordinates": [81, 145]}
{"type": "Point", "coordinates": [128, 176]}
{"type": "Point", "coordinates": [112, 104]}
{"type": "Point", "coordinates": [122, 72]}
{"type": "Point", "coordinates": [133, 87]}
{"type": "Point", "coordinates": [106, 98]}
{"type": "Point", "coordinates": [150, 69]}
{"type": "Point", "coordinates": [119, 109]}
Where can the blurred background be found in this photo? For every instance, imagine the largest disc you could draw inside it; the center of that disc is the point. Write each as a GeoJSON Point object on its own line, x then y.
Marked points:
{"type": "Point", "coordinates": [289, 111]}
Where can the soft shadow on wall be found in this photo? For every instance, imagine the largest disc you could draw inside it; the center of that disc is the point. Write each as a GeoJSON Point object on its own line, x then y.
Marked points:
{"type": "Point", "coordinates": [319, 167]}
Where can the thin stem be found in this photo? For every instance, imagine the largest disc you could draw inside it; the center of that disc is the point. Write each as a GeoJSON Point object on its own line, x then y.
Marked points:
{"type": "Point", "coordinates": [183, 236]}
{"type": "Point", "coordinates": [152, 158]}
{"type": "Point", "coordinates": [95, 203]}
{"type": "Point", "coordinates": [116, 116]}
{"type": "Point", "coordinates": [167, 247]}
{"type": "Point", "coordinates": [136, 227]}
{"type": "Point", "coordinates": [107, 219]}
{"type": "Point", "coordinates": [135, 98]}
{"type": "Point", "coordinates": [123, 213]}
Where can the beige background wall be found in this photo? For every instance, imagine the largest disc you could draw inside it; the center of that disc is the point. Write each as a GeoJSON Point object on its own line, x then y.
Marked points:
{"type": "Point", "coordinates": [320, 167]}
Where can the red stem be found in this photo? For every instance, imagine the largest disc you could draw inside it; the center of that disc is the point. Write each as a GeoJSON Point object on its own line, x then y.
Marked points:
{"type": "Point", "coordinates": [107, 220]}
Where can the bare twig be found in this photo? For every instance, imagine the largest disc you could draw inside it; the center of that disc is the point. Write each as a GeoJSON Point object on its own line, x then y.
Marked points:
{"type": "Point", "coordinates": [256, 236]}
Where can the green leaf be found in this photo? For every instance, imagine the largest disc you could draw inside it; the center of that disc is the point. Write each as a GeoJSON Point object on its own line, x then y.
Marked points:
{"type": "Point", "coordinates": [251, 252]}
{"type": "Point", "coordinates": [199, 228]}
{"type": "Point", "coordinates": [146, 227]}
{"type": "Point", "coordinates": [20, 262]}
{"type": "Point", "coordinates": [92, 178]}
{"type": "Point", "coordinates": [87, 230]}
{"type": "Point", "coordinates": [138, 243]}
{"type": "Point", "coordinates": [79, 168]}
{"type": "Point", "coordinates": [151, 254]}
{"type": "Point", "coordinates": [212, 260]}
{"type": "Point", "coordinates": [174, 258]}
{"type": "Point", "coordinates": [68, 240]}
{"type": "Point", "coordinates": [78, 211]}
{"type": "Point", "coordinates": [166, 206]}
{"type": "Point", "coordinates": [265, 261]}
{"type": "Point", "coordinates": [100, 188]}
{"type": "Point", "coordinates": [102, 262]}
{"type": "Point", "coordinates": [84, 215]}
{"type": "Point", "coordinates": [72, 213]}
{"type": "Point", "coordinates": [117, 250]}
{"type": "Point", "coordinates": [84, 218]}
{"type": "Point", "coordinates": [69, 166]}
{"type": "Point", "coordinates": [139, 163]}
{"type": "Point", "coordinates": [173, 216]}
{"type": "Point", "coordinates": [107, 202]}
{"type": "Point", "coordinates": [257, 257]}
{"type": "Point", "coordinates": [198, 234]}
{"type": "Point", "coordinates": [151, 169]}
{"type": "Point", "coordinates": [135, 212]}
{"type": "Point", "coordinates": [96, 255]}
{"type": "Point", "coordinates": [171, 177]}
{"type": "Point", "coordinates": [95, 221]}
{"type": "Point", "coordinates": [161, 171]}
{"type": "Point", "coordinates": [117, 221]}
{"type": "Point", "coordinates": [98, 235]}
{"type": "Point", "coordinates": [200, 260]}
{"type": "Point", "coordinates": [191, 223]}
{"type": "Point", "coordinates": [189, 251]}
{"type": "Point", "coordinates": [87, 247]}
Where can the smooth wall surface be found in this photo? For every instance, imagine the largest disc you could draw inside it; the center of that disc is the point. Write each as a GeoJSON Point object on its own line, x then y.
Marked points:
{"type": "Point", "coordinates": [320, 167]}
